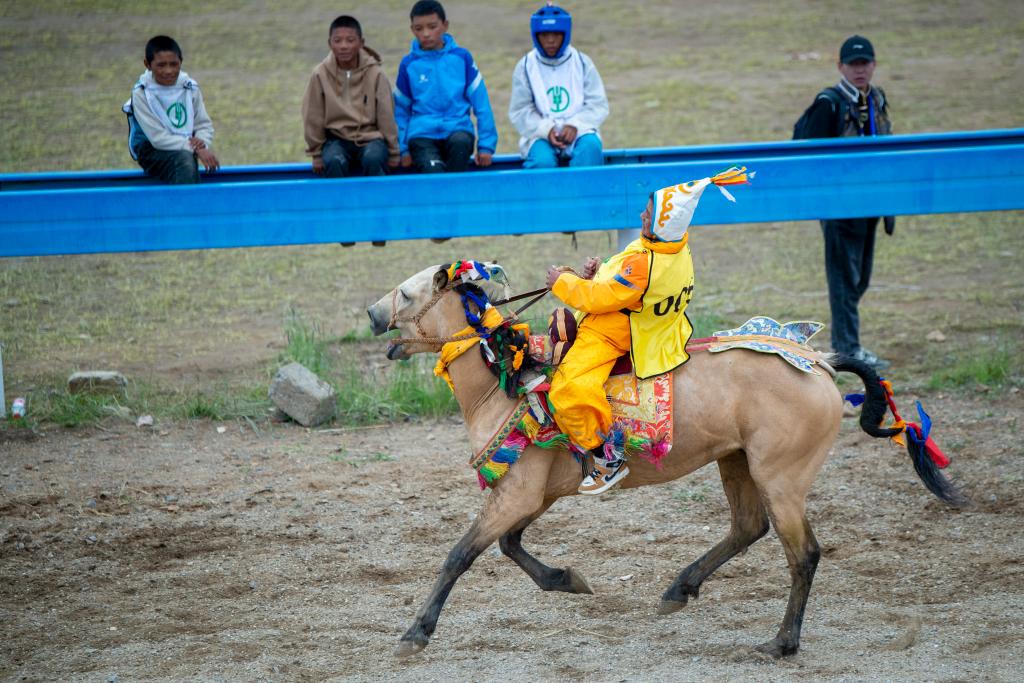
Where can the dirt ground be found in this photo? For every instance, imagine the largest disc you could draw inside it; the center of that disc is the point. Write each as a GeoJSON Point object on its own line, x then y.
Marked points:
{"type": "Point", "coordinates": [184, 552]}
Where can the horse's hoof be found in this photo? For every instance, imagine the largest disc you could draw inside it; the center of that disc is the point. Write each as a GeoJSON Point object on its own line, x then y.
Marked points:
{"type": "Point", "coordinates": [670, 606]}
{"type": "Point", "coordinates": [408, 648]}
{"type": "Point", "coordinates": [776, 648]}
{"type": "Point", "coordinates": [577, 582]}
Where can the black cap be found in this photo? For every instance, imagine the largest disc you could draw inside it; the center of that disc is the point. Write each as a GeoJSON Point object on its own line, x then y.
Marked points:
{"type": "Point", "coordinates": [856, 47]}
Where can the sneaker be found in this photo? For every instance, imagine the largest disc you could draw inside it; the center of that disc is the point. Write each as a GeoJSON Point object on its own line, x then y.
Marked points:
{"type": "Point", "coordinates": [870, 358]}
{"type": "Point", "coordinates": [603, 477]}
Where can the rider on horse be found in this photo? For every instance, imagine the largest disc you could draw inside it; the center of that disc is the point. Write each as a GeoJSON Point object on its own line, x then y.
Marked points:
{"type": "Point", "coordinates": [635, 303]}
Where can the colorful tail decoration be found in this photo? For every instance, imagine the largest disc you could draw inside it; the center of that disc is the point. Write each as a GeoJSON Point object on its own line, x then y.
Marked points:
{"type": "Point", "coordinates": [927, 457]}
{"type": "Point", "coordinates": [918, 435]}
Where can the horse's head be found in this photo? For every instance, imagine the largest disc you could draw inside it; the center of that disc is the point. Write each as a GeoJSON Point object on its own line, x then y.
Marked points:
{"type": "Point", "coordinates": [427, 307]}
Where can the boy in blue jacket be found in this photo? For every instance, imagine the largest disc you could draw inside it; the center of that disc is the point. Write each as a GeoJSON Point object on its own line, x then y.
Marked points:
{"type": "Point", "coordinates": [438, 83]}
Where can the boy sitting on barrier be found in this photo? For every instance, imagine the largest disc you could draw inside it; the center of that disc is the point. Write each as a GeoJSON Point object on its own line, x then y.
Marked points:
{"type": "Point", "coordinates": [347, 113]}
{"type": "Point", "coordinates": [437, 85]}
{"type": "Point", "coordinates": [168, 127]}
{"type": "Point", "coordinates": [558, 101]}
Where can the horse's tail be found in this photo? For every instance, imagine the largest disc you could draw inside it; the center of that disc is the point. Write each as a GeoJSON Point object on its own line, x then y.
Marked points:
{"type": "Point", "coordinates": [871, 415]}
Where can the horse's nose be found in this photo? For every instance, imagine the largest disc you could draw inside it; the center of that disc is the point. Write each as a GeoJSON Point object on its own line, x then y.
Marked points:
{"type": "Point", "coordinates": [378, 322]}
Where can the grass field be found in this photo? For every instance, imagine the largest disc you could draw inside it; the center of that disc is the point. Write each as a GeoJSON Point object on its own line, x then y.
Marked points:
{"type": "Point", "coordinates": [212, 323]}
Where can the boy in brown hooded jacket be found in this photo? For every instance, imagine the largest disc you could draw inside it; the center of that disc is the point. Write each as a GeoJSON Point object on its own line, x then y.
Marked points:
{"type": "Point", "coordinates": [347, 112]}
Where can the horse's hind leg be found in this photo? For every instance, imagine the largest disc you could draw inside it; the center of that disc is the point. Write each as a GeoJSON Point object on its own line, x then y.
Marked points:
{"type": "Point", "coordinates": [802, 553]}
{"type": "Point", "coordinates": [548, 578]}
{"type": "Point", "coordinates": [749, 523]}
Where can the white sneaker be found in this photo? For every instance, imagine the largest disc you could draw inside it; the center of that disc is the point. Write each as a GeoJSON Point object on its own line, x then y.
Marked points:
{"type": "Point", "coordinates": [603, 477]}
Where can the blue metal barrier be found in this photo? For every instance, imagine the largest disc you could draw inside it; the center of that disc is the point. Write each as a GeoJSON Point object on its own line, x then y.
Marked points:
{"type": "Point", "coordinates": [70, 213]}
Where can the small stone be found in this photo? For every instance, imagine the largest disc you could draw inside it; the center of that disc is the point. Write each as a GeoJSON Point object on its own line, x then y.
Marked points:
{"type": "Point", "coordinates": [252, 585]}
{"type": "Point", "coordinates": [171, 498]}
{"type": "Point", "coordinates": [935, 336]}
{"type": "Point", "coordinates": [91, 538]}
{"type": "Point", "coordinates": [96, 381]}
{"type": "Point", "coordinates": [221, 430]}
{"type": "Point", "coordinates": [91, 503]}
{"type": "Point", "coordinates": [650, 538]}
{"type": "Point", "coordinates": [627, 577]}
{"type": "Point", "coordinates": [407, 600]}
{"type": "Point", "coordinates": [560, 550]}
{"type": "Point", "coordinates": [144, 421]}
{"type": "Point", "coordinates": [12, 303]}
{"type": "Point", "coordinates": [706, 528]}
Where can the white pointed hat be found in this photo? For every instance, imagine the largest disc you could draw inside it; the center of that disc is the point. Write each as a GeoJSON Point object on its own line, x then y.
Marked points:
{"type": "Point", "coordinates": [674, 205]}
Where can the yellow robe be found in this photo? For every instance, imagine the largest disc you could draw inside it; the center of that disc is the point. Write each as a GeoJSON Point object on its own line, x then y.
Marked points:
{"type": "Point", "coordinates": [635, 304]}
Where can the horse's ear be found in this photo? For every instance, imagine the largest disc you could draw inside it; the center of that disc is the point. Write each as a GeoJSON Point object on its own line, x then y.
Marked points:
{"type": "Point", "coordinates": [440, 279]}
{"type": "Point", "coordinates": [497, 273]}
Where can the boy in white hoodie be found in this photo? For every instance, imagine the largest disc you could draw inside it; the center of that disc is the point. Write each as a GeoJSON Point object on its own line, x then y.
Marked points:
{"type": "Point", "coordinates": [558, 101]}
{"type": "Point", "coordinates": [168, 127]}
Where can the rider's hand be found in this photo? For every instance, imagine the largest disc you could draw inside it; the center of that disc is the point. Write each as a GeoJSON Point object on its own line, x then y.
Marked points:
{"type": "Point", "coordinates": [406, 160]}
{"type": "Point", "coordinates": [318, 166]}
{"type": "Point", "coordinates": [590, 267]}
{"type": "Point", "coordinates": [483, 159]}
{"type": "Point", "coordinates": [553, 274]}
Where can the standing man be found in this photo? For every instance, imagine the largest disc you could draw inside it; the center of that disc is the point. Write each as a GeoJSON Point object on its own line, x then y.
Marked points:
{"type": "Point", "coordinates": [852, 107]}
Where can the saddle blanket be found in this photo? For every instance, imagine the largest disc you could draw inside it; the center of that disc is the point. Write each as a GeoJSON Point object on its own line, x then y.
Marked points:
{"type": "Point", "coordinates": [641, 425]}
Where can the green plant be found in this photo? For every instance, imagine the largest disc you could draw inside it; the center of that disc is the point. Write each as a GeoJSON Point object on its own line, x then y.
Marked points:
{"type": "Point", "coordinates": [306, 343]}
{"type": "Point", "coordinates": [75, 410]}
{"type": "Point", "coordinates": [686, 495]}
{"type": "Point", "coordinates": [991, 367]}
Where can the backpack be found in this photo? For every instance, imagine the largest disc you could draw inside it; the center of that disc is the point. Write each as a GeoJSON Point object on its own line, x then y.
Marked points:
{"type": "Point", "coordinates": [834, 96]}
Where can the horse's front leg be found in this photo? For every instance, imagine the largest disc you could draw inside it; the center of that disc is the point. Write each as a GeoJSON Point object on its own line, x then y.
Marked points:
{"type": "Point", "coordinates": [516, 499]}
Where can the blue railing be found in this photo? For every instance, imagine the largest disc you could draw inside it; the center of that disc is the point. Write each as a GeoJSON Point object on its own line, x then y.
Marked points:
{"type": "Point", "coordinates": [71, 213]}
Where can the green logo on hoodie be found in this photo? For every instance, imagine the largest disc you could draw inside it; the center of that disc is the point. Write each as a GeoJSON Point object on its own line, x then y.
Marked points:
{"type": "Point", "coordinates": [177, 115]}
{"type": "Point", "coordinates": [559, 98]}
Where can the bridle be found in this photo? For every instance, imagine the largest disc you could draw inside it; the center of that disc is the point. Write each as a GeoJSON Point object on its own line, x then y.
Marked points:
{"type": "Point", "coordinates": [537, 295]}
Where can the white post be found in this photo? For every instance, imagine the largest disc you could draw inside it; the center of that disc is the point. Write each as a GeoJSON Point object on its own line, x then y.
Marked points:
{"type": "Point", "coordinates": [3, 401]}
{"type": "Point", "coordinates": [625, 236]}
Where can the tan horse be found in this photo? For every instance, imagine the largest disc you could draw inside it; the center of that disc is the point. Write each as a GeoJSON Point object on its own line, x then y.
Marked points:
{"type": "Point", "coordinates": [768, 426]}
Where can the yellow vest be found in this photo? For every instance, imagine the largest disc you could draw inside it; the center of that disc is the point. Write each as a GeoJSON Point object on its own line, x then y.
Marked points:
{"type": "Point", "coordinates": [660, 329]}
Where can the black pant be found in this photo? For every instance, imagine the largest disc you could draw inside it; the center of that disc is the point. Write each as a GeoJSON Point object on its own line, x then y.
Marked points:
{"type": "Point", "coordinates": [343, 157]}
{"type": "Point", "coordinates": [849, 255]}
{"type": "Point", "coordinates": [437, 156]}
{"type": "Point", "coordinates": [176, 167]}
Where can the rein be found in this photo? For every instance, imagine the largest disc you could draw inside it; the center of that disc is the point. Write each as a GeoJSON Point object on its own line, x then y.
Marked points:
{"type": "Point", "coordinates": [537, 295]}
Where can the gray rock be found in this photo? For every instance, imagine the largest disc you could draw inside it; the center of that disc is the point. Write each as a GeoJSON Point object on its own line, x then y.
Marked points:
{"type": "Point", "coordinates": [302, 396]}
{"type": "Point", "coordinates": [96, 381]}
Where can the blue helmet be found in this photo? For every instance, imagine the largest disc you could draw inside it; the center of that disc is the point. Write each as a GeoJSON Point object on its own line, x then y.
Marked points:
{"type": "Point", "coordinates": [554, 19]}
